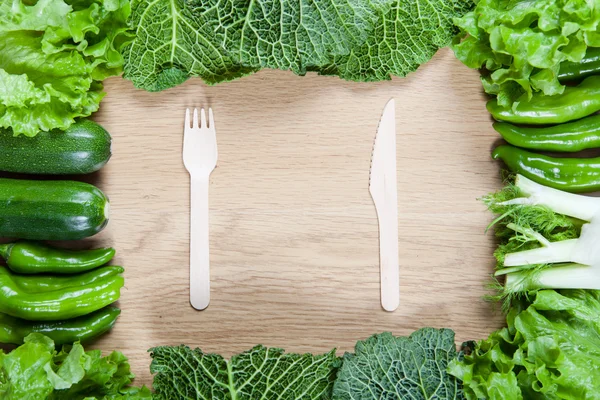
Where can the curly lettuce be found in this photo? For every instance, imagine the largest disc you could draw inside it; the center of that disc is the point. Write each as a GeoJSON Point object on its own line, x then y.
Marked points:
{"type": "Point", "coordinates": [35, 370]}
{"type": "Point", "coordinates": [550, 350]}
{"type": "Point", "coordinates": [521, 44]}
{"type": "Point", "coordinates": [54, 55]}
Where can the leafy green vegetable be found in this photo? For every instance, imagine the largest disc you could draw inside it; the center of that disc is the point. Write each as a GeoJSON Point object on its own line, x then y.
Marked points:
{"type": "Point", "coordinates": [288, 35]}
{"type": "Point", "coordinates": [549, 239]}
{"type": "Point", "coordinates": [53, 56]}
{"type": "Point", "coordinates": [549, 350]}
{"type": "Point", "coordinates": [35, 370]}
{"type": "Point", "coordinates": [388, 367]}
{"type": "Point", "coordinates": [220, 40]}
{"type": "Point", "coordinates": [172, 44]}
{"type": "Point", "coordinates": [260, 373]}
{"type": "Point", "coordinates": [383, 366]}
{"type": "Point", "coordinates": [522, 43]}
{"type": "Point", "coordinates": [406, 35]}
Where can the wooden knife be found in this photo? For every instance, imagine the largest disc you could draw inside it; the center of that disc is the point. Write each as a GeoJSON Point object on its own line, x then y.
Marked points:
{"type": "Point", "coordinates": [384, 191]}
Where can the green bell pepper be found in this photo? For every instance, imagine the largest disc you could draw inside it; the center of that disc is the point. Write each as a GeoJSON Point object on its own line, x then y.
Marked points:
{"type": "Point", "coordinates": [568, 174]}
{"type": "Point", "coordinates": [14, 330]}
{"type": "Point", "coordinates": [48, 283]}
{"type": "Point", "coordinates": [576, 102]}
{"type": "Point", "coordinates": [65, 301]}
{"type": "Point", "coordinates": [590, 65]}
{"type": "Point", "coordinates": [570, 137]}
{"type": "Point", "coordinates": [27, 257]}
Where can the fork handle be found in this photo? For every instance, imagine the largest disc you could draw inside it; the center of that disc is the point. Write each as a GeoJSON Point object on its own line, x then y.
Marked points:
{"type": "Point", "coordinates": [199, 244]}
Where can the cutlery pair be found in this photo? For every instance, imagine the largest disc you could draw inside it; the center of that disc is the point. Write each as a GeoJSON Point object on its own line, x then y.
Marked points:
{"type": "Point", "coordinates": [200, 159]}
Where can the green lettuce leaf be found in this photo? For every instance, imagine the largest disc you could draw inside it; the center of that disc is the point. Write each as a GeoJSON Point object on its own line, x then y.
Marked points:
{"type": "Point", "coordinates": [550, 350]}
{"type": "Point", "coordinates": [35, 370]}
{"type": "Point", "coordinates": [220, 40]}
{"type": "Point", "coordinates": [23, 372]}
{"type": "Point", "coordinates": [260, 373]}
{"type": "Point", "coordinates": [53, 56]}
{"type": "Point", "coordinates": [522, 43]}
{"type": "Point", "coordinates": [388, 367]}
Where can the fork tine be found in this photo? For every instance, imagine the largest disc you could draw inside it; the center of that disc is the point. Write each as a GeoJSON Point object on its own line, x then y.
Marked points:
{"type": "Point", "coordinates": [211, 119]}
{"type": "Point", "coordinates": [187, 118]}
{"type": "Point", "coordinates": [203, 117]}
{"type": "Point", "coordinates": [195, 125]}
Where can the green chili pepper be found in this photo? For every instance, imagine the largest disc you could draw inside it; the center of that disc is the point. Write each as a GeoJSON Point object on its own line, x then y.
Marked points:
{"type": "Point", "coordinates": [13, 330]}
{"type": "Point", "coordinates": [568, 174]}
{"type": "Point", "coordinates": [590, 65]}
{"type": "Point", "coordinates": [26, 257]}
{"type": "Point", "coordinates": [64, 302]}
{"type": "Point", "coordinates": [570, 137]}
{"type": "Point", "coordinates": [576, 102]}
{"type": "Point", "coordinates": [48, 283]}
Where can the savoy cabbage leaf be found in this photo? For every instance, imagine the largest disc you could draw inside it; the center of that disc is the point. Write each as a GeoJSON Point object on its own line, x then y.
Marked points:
{"type": "Point", "coordinates": [406, 35]}
{"type": "Point", "coordinates": [220, 40]}
{"type": "Point", "coordinates": [260, 373]}
{"type": "Point", "coordinates": [388, 367]}
{"type": "Point", "coordinates": [173, 43]}
{"type": "Point", "coordinates": [288, 35]}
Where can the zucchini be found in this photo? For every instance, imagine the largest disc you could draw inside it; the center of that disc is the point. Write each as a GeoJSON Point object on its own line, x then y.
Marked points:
{"type": "Point", "coordinates": [83, 148]}
{"type": "Point", "coordinates": [51, 210]}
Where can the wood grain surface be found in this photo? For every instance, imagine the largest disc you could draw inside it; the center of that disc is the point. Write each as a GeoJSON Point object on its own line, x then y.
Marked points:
{"type": "Point", "coordinates": [294, 242]}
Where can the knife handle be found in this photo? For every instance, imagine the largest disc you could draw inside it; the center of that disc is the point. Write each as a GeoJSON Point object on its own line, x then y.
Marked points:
{"type": "Point", "coordinates": [388, 258]}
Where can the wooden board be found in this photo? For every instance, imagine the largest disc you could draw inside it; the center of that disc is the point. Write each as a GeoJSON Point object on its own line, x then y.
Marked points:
{"type": "Point", "coordinates": [293, 229]}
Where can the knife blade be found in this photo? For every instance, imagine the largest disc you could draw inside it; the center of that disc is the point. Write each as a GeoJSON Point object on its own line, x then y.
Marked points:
{"type": "Point", "coordinates": [383, 189]}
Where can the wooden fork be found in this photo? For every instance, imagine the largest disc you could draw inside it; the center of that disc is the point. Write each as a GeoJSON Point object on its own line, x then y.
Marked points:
{"type": "Point", "coordinates": [200, 159]}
